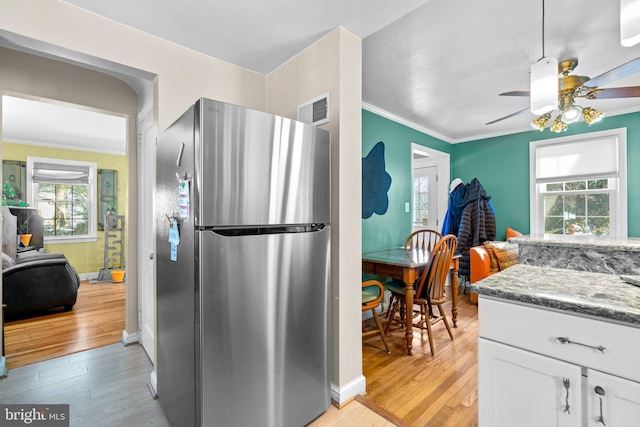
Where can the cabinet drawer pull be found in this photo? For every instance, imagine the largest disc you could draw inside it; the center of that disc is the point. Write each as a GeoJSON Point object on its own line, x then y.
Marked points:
{"type": "Point", "coordinates": [566, 340]}
{"type": "Point", "coordinates": [600, 392]}
{"type": "Point", "coordinates": [567, 383]}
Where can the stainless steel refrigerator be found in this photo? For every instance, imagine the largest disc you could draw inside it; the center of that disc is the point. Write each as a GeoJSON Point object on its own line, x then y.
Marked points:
{"type": "Point", "coordinates": [243, 268]}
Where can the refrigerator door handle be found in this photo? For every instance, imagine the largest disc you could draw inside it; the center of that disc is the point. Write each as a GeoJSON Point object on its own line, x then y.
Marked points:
{"type": "Point", "coordinates": [180, 151]}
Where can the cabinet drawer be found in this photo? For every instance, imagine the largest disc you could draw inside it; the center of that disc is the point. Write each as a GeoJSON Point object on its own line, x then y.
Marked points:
{"type": "Point", "coordinates": [538, 330]}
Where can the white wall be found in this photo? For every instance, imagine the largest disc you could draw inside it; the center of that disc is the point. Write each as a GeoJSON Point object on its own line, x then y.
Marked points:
{"type": "Point", "coordinates": [183, 75]}
{"type": "Point", "coordinates": [333, 64]}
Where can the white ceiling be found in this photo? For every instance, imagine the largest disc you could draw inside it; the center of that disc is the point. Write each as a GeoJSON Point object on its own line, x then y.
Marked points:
{"type": "Point", "coordinates": [31, 122]}
{"type": "Point", "coordinates": [436, 65]}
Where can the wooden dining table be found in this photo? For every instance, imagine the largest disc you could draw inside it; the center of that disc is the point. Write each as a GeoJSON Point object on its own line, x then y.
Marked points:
{"type": "Point", "coordinates": [397, 263]}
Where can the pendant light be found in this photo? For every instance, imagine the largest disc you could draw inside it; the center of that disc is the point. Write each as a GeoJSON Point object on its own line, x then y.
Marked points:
{"type": "Point", "coordinates": [544, 81]}
{"type": "Point", "coordinates": [629, 22]}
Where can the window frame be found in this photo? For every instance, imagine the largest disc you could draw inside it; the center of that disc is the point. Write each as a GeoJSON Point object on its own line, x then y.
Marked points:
{"type": "Point", "coordinates": [618, 207]}
{"type": "Point", "coordinates": [32, 197]}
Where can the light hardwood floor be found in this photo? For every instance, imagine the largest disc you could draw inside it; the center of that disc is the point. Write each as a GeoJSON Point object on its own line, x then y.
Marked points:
{"type": "Point", "coordinates": [108, 385]}
{"type": "Point", "coordinates": [425, 390]}
{"type": "Point", "coordinates": [97, 319]}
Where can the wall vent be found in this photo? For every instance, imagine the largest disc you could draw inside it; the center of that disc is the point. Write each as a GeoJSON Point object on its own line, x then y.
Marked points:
{"type": "Point", "coordinates": [316, 111]}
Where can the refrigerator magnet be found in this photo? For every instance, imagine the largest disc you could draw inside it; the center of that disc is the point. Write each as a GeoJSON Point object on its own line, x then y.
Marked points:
{"type": "Point", "coordinates": [184, 202]}
{"type": "Point", "coordinates": [174, 238]}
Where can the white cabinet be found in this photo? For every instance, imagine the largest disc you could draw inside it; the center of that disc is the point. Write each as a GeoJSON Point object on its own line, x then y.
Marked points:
{"type": "Point", "coordinates": [533, 362]}
{"type": "Point", "coordinates": [521, 388]}
{"type": "Point", "coordinates": [620, 400]}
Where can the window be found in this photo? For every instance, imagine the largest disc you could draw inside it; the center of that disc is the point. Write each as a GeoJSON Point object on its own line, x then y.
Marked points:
{"type": "Point", "coordinates": [420, 201]}
{"type": "Point", "coordinates": [578, 185]}
{"type": "Point", "coordinates": [578, 207]}
{"type": "Point", "coordinates": [63, 191]}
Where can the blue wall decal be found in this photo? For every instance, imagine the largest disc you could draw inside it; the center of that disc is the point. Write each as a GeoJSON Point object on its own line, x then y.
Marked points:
{"type": "Point", "coordinates": [375, 183]}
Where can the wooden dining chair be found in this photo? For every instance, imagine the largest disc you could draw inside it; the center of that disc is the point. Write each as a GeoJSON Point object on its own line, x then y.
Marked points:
{"type": "Point", "coordinates": [421, 240]}
{"type": "Point", "coordinates": [372, 293]}
{"type": "Point", "coordinates": [430, 290]}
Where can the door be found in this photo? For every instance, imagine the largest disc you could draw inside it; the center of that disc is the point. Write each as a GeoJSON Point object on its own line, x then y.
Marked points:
{"type": "Point", "coordinates": [425, 198]}
{"type": "Point", "coordinates": [256, 169]}
{"type": "Point", "coordinates": [521, 388]}
{"type": "Point", "coordinates": [146, 237]}
{"type": "Point", "coordinates": [620, 400]}
{"type": "Point", "coordinates": [264, 335]}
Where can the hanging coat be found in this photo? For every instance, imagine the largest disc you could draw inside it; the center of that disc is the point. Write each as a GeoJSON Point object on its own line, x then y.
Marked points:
{"type": "Point", "coordinates": [477, 223]}
{"type": "Point", "coordinates": [454, 210]}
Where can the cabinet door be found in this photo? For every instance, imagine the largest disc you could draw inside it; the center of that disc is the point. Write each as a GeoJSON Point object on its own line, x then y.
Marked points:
{"type": "Point", "coordinates": [620, 400]}
{"type": "Point", "coordinates": [521, 388]}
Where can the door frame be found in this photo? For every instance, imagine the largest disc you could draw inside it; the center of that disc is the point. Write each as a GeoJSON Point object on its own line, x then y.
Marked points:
{"type": "Point", "coordinates": [442, 161]}
{"type": "Point", "coordinates": [146, 234]}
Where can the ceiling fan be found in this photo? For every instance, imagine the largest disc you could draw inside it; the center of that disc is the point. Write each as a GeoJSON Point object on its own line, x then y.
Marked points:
{"type": "Point", "coordinates": [571, 86]}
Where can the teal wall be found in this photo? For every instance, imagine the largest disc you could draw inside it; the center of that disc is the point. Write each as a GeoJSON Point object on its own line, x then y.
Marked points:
{"type": "Point", "coordinates": [502, 166]}
{"type": "Point", "coordinates": [392, 228]}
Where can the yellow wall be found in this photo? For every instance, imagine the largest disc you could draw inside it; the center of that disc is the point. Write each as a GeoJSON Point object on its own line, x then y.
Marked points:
{"type": "Point", "coordinates": [85, 257]}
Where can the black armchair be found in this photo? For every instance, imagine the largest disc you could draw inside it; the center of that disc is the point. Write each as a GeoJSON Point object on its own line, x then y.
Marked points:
{"type": "Point", "coordinates": [38, 282]}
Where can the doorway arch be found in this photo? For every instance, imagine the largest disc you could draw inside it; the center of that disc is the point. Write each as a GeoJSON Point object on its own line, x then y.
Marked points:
{"type": "Point", "coordinates": [140, 83]}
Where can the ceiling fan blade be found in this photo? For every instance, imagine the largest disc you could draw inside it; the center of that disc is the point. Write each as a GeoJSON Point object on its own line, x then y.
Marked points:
{"type": "Point", "coordinates": [617, 92]}
{"type": "Point", "coordinates": [516, 93]}
{"type": "Point", "coordinates": [508, 117]}
{"type": "Point", "coordinates": [617, 73]}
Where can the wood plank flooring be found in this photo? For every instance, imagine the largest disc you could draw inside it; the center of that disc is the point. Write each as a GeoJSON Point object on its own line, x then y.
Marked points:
{"type": "Point", "coordinates": [425, 390]}
{"type": "Point", "coordinates": [97, 319]}
{"type": "Point", "coordinates": [108, 385]}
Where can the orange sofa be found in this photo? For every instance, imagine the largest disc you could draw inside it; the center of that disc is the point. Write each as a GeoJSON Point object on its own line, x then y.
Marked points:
{"type": "Point", "coordinates": [480, 263]}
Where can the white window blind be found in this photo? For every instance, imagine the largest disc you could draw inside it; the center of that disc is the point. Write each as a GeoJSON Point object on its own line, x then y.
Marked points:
{"type": "Point", "coordinates": [576, 160]}
{"type": "Point", "coordinates": [53, 173]}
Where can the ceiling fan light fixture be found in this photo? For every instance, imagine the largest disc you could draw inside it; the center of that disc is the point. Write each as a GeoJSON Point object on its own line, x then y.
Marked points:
{"type": "Point", "coordinates": [591, 115]}
{"type": "Point", "coordinates": [558, 125]}
{"type": "Point", "coordinates": [541, 122]}
{"type": "Point", "coordinates": [544, 85]}
{"type": "Point", "coordinates": [570, 114]}
{"type": "Point", "coordinates": [629, 22]}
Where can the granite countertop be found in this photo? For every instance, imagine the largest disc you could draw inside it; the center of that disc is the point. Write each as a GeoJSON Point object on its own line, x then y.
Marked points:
{"type": "Point", "coordinates": [587, 242]}
{"type": "Point", "coordinates": [601, 295]}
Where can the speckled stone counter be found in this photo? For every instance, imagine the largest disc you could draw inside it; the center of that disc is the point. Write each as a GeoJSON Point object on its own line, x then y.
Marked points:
{"type": "Point", "coordinates": [583, 253]}
{"type": "Point", "coordinates": [604, 296]}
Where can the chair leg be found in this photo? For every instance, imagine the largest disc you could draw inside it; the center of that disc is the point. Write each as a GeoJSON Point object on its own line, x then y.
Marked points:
{"type": "Point", "coordinates": [393, 310]}
{"type": "Point", "coordinates": [379, 324]}
{"type": "Point", "coordinates": [446, 322]}
{"type": "Point", "coordinates": [428, 322]}
{"type": "Point", "coordinates": [392, 301]}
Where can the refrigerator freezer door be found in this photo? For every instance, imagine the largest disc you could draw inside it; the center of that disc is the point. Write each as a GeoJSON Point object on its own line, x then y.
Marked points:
{"type": "Point", "coordinates": [265, 328]}
{"type": "Point", "coordinates": [259, 169]}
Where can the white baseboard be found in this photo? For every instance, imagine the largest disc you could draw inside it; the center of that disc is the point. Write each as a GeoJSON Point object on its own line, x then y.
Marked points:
{"type": "Point", "coordinates": [128, 338]}
{"type": "Point", "coordinates": [353, 388]}
{"type": "Point", "coordinates": [88, 276]}
{"type": "Point", "coordinates": [153, 384]}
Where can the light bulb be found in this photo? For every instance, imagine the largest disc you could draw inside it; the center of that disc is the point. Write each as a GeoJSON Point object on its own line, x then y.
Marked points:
{"type": "Point", "coordinates": [570, 114]}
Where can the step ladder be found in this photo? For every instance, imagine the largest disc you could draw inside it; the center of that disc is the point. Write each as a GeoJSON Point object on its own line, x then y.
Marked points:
{"type": "Point", "coordinates": [113, 247]}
